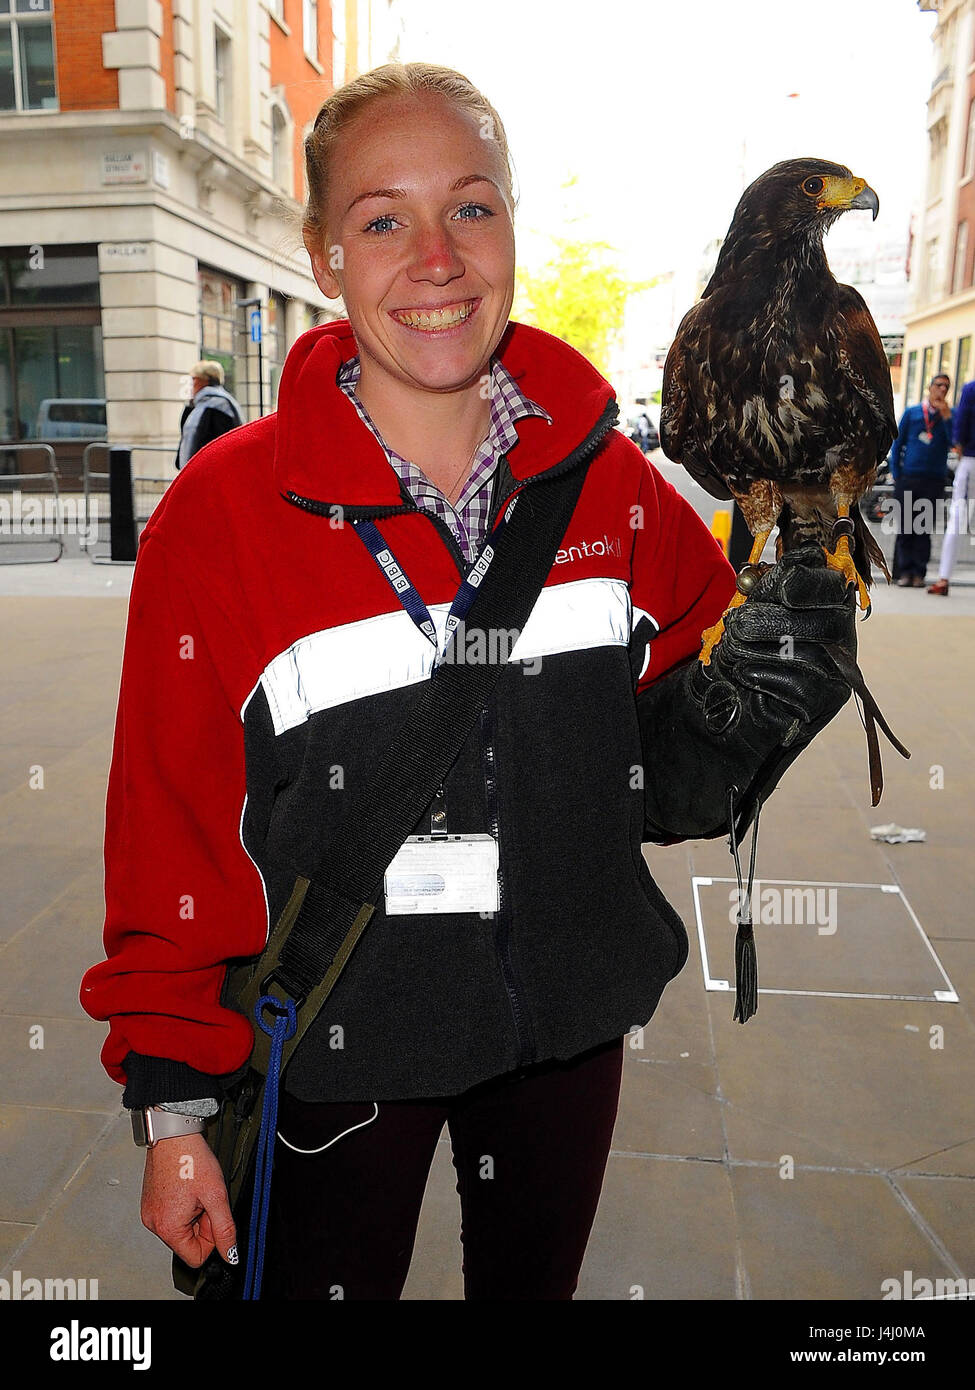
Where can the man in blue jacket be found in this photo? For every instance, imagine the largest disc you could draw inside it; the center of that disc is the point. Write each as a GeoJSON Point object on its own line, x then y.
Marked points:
{"type": "Point", "coordinates": [919, 467]}
{"type": "Point", "coordinates": [964, 432]}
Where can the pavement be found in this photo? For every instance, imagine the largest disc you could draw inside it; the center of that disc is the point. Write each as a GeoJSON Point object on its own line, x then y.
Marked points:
{"type": "Point", "coordinates": [825, 1147]}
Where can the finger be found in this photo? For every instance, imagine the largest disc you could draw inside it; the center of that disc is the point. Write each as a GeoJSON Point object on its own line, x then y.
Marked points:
{"type": "Point", "coordinates": [222, 1226]}
{"type": "Point", "coordinates": [186, 1244]}
{"type": "Point", "coordinates": [769, 623]}
{"type": "Point", "coordinates": [801, 588]}
{"type": "Point", "coordinates": [805, 689]}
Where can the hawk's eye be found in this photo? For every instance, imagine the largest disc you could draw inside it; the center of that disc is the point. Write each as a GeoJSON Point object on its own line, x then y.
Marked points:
{"type": "Point", "coordinates": [813, 186]}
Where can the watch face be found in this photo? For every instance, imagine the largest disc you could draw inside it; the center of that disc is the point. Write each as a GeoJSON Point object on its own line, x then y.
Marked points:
{"type": "Point", "coordinates": [140, 1132]}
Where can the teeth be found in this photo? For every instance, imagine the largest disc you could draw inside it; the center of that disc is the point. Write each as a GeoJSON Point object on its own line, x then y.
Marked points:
{"type": "Point", "coordinates": [435, 318]}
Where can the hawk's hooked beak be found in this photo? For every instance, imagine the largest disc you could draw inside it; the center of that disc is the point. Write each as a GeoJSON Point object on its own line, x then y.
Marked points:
{"type": "Point", "coordinates": [849, 194]}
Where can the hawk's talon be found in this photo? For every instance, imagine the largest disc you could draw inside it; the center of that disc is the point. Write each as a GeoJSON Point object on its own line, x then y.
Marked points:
{"type": "Point", "coordinates": [711, 636]}
{"type": "Point", "coordinates": [842, 561]}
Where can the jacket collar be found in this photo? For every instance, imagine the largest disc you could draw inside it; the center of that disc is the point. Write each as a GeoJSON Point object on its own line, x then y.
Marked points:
{"type": "Point", "coordinates": [323, 451]}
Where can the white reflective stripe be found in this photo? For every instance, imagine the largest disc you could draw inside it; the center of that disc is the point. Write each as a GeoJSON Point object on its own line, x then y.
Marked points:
{"type": "Point", "coordinates": [387, 652]}
{"type": "Point", "coordinates": [345, 663]}
{"type": "Point", "coordinates": [575, 616]}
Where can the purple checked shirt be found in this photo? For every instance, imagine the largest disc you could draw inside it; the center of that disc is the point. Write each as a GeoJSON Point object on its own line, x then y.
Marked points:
{"type": "Point", "coordinates": [468, 519]}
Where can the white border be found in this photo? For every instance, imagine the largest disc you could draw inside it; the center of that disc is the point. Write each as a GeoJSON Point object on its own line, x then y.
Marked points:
{"type": "Point", "coordinates": [938, 996]}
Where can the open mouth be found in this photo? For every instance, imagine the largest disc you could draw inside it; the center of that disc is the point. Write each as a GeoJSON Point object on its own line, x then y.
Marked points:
{"type": "Point", "coordinates": [440, 320]}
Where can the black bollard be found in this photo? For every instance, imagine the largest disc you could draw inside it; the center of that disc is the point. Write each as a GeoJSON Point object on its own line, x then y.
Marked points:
{"type": "Point", "coordinates": [121, 504]}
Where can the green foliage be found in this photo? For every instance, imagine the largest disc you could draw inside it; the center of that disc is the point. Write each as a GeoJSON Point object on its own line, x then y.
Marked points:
{"type": "Point", "coordinates": [579, 295]}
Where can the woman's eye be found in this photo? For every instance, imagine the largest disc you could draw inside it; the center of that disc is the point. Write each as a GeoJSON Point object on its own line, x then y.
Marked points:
{"type": "Point", "coordinates": [385, 217]}
{"type": "Point", "coordinates": [478, 210]}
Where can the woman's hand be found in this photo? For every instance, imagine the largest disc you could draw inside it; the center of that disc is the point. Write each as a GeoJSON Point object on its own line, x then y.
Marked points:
{"type": "Point", "coordinates": [184, 1200]}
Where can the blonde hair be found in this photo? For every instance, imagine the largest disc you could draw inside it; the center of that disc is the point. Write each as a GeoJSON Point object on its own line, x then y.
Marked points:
{"type": "Point", "coordinates": [392, 79]}
{"type": "Point", "coordinates": [208, 370]}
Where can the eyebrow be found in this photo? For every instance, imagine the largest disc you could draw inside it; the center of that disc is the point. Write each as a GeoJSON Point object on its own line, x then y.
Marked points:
{"type": "Point", "coordinates": [401, 192]}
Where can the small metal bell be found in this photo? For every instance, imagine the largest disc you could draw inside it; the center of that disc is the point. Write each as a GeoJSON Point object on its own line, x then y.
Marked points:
{"type": "Point", "coordinates": [748, 577]}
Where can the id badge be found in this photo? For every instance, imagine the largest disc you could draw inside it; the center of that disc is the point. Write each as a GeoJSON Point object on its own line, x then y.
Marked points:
{"type": "Point", "coordinates": [452, 873]}
{"type": "Point", "coordinates": [925, 436]}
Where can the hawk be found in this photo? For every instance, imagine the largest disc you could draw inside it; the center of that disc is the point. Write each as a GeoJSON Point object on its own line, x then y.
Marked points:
{"type": "Point", "coordinates": [777, 390]}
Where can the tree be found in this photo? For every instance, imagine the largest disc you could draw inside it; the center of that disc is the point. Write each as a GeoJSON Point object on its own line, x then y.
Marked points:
{"type": "Point", "coordinates": [579, 295]}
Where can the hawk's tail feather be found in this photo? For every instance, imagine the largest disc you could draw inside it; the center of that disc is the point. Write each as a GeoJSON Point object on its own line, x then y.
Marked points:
{"type": "Point", "coordinates": [865, 548]}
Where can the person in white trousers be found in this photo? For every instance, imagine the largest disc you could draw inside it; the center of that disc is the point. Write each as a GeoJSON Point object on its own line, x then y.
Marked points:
{"type": "Point", "coordinates": [964, 442]}
{"type": "Point", "coordinates": [957, 526]}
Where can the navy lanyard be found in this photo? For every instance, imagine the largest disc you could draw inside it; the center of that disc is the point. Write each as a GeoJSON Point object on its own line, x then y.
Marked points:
{"type": "Point", "coordinates": [408, 594]}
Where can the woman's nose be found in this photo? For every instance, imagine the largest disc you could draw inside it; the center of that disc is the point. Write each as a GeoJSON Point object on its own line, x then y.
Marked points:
{"type": "Point", "coordinates": [434, 252]}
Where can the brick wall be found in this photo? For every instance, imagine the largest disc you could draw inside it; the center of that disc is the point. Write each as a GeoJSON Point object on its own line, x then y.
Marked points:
{"type": "Point", "coordinates": [166, 55]}
{"type": "Point", "coordinates": [83, 83]}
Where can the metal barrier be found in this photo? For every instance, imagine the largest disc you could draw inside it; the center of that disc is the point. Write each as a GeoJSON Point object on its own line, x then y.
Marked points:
{"type": "Point", "coordinates": [147, 489]}
{"type": "Point", "coordinates": [11, 534]}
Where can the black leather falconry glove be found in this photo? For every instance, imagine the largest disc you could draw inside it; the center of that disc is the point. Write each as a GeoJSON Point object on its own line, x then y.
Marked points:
{"type": "Point", "coordinates": [744, 718]}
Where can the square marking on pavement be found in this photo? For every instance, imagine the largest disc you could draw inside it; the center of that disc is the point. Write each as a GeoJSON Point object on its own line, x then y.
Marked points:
{"type": "Point", "coordinates": [837, 940]}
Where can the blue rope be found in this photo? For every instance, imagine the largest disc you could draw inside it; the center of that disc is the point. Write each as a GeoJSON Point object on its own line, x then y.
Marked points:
{"type": "Point", "coordinates": [285, 1026]}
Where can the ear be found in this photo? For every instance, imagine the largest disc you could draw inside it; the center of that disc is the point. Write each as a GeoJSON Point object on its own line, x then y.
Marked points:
{"type": "Point", "coordinates": [324, 258]}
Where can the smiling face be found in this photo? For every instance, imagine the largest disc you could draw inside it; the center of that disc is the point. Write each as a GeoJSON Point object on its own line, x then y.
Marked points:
{"type": "Point", "coordinates": [418, 205]}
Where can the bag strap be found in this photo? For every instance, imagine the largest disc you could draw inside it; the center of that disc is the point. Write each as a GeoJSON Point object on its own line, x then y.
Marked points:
{"type": "Point", "coordinates": [327, 912]}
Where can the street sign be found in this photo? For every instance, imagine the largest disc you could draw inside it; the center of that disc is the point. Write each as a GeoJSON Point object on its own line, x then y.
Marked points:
{"type": "Point", "coordinates": [256, 333]}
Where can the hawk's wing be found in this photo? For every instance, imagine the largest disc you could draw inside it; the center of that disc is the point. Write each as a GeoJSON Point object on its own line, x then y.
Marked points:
{"type": "Point", "coordinates": [864, 363]}
{"type": "Point", "coordinates": [676, 408]}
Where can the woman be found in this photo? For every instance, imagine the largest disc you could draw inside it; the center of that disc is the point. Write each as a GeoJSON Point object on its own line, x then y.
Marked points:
{"type": "Point", "coordinates": [266, 658]}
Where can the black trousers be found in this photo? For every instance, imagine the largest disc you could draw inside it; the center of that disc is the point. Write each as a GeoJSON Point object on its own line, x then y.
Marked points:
{"type": "Point", "coordinates": [529, 1151]}
{"type": "Point", "coordinates": [912, 549]}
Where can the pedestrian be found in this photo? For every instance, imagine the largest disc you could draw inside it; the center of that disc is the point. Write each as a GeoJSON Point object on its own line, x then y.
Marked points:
{"type": "Point", "coordinates": [267, 661]}
{"type": "Point", "coordinates": [210, 412]}
{"type": "Point", "coordinates": [919, 467]}
{"type": "Point", "coordinates": [964, 443]}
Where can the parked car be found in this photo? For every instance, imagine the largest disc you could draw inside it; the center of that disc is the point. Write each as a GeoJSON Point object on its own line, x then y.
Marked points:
{"type": "Point", "coordinates": [71, 419]}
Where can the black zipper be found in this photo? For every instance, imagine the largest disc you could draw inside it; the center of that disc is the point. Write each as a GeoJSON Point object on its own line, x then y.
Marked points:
{"type": "Point", "coordinates": [502, 934]}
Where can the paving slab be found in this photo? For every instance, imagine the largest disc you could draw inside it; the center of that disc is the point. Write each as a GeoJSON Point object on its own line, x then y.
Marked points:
{"type": "Point", "coordinates": [93, 1230]}
{"type": "Point", "coordinates": [825, 1235]}
{"type": "Point", "coordinates": [946, 1206]}
{"type": "Point", "coordinates": [38, 1155]}
{"type": "Point", "coordinates": [664, 1229]}
{"type": "Point", "coordinates": [857, 1074]}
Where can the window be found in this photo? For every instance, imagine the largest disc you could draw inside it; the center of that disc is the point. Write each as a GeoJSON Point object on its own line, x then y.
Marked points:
{"type": "Point", "coordinates": [49, 275]}
{"type": "Point", "coordinates": [925, 372]}
{"type": "Point", "coordinates": [944, 357]}
{"type": "Point", "coordinates": [911, 378]}
{"type": "Point", "coordinates": [274, 343]}
{"type": "Point", "coordinates": [222, 77]}
{"type": "Point", "coordinates": [961, 257]}
{"type": "Point", "coordinates": [221, 322]}
{"type": "Point", "coordinates": [961, 367]}
{"type": "Point", "coordinates": [27, 81]}
{"type": "Point", "coordinates": [969, 168]}
{"type": "Point", "coordinates": [52, 383]}
{"type": "Point", "coordinates": [309, 23]}
{"type": "Point", "coordinates": [280, 147]}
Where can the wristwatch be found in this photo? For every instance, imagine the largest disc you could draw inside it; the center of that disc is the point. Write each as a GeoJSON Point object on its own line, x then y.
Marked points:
{"type": "Point", "coordinates": [153, 1124]}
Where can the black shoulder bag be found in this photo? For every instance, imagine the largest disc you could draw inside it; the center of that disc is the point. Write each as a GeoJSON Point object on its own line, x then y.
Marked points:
{"type": "Point", "coordinates": [326, 914]}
